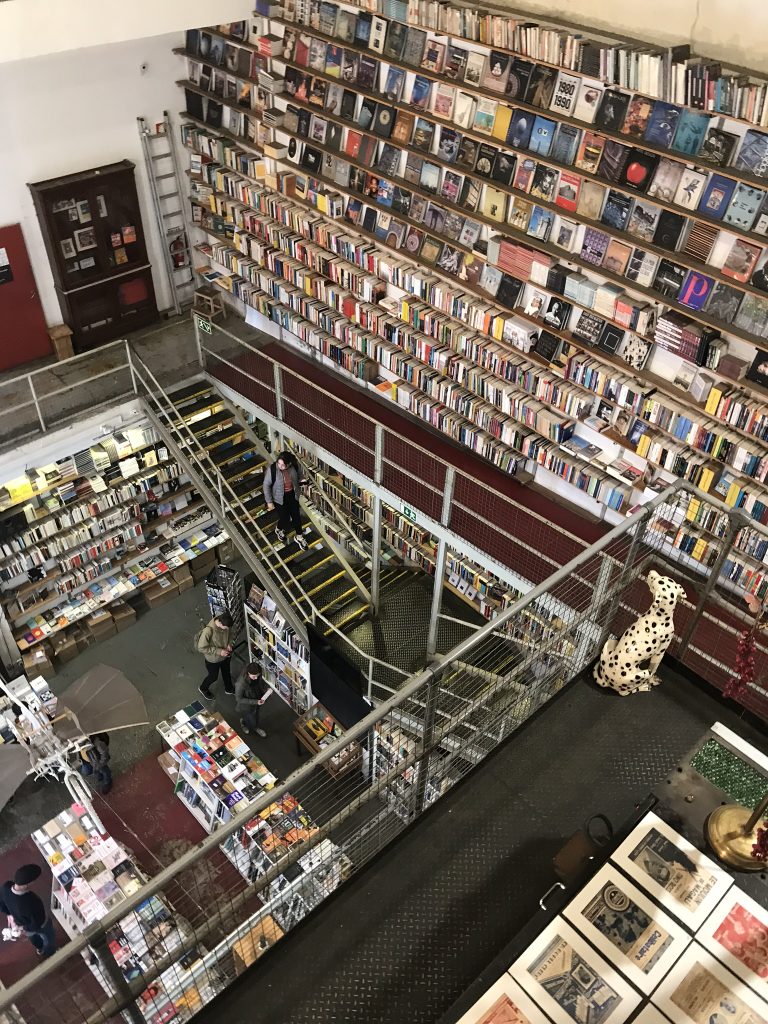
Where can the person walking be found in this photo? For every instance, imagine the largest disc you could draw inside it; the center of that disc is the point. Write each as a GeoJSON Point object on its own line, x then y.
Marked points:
{"type": "Point", "coordinates": [95, 761]}
{"type": "Point", "coordinates": [251, 691]}
{"type": "Point", "coordinates": [281, 489]}
{"type": "Point", "coordinates": [28, 910]}
{"type": "Point", "coordinates": [213, 642]}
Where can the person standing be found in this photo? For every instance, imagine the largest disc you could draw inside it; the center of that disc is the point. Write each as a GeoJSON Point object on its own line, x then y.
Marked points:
{"type": "Point", "coordinates": [28, 910]}
{"type": "Point", "coordinates": [213, 643]}
{"type": "Point", "coordinates": [251, 691]}
{"type": "Point", "coordinates": [281, 489]}
{"type": "Point", "coordinates": [95, 761]}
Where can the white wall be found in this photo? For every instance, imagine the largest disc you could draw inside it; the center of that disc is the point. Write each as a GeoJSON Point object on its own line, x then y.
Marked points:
{"type": "Point", "coordinates": [71, 111]}
{"type": "Point", "coordinates": [730, 30]}
{"type": "Point", "coordinates": [29, 28]}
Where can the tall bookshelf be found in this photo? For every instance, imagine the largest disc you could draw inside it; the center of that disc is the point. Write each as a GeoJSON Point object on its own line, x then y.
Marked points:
{"type": "Point", "coordinates": [283, 656]}
{"type": "Point", "coordinates": [560, 273]}
{"type": "Point", "coordinates": [91, 528]}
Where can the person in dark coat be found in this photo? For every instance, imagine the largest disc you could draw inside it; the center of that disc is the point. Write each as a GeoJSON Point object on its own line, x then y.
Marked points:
{"type": "Point", "coordinates": [251, 691]}
{"type": "Point", "coordinates": [95, 761]}
{"type": "Point", "coordinates": [28, 910]}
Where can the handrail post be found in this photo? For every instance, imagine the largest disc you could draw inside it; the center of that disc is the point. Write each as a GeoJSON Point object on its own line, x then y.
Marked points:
{"type": "Point", "coordinates": [97, 939]}
{"type": "Point", "coordinates": [129, 357]}
{"type": "Point", "coordinates": [378, 476]}
{"type": "Point", "coordinates": [442, 553]}
{"type": "Point", "coordinates": [35, 400]}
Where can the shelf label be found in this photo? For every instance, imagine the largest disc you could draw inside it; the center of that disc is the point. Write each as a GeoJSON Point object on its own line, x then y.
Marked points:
{"type": "Point", "coordinates": [408, 512]}
{"type": "Point", "coordinates": [203, 324]}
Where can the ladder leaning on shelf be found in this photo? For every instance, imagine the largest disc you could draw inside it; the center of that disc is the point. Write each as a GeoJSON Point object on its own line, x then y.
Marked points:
{"type": "Point", "coordinates": [165, 185]}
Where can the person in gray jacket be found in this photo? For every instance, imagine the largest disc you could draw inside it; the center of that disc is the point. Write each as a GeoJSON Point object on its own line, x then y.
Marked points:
{"type": "Point", "coordinates": [250, 693]}
{"type": "Point", "coordinates": [281, 489]}
{"type": "Point", "coordinates": [214, 645]}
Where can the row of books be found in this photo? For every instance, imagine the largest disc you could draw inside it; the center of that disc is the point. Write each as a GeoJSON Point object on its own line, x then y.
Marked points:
{"type": "Point", "coordinates": [714, 197]}
{"type": "Point", "coordinates": [659, 123]}
{"type": "Point", "coordinates": [673, 74]}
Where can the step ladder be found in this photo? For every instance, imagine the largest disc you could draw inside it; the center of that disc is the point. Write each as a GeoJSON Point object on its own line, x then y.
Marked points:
{"type": "Point", "coordinates": [165, 183]}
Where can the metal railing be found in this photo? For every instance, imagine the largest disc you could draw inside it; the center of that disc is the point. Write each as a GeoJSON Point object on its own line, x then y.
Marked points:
{"type": "Point", "coordinates": [410, 750]}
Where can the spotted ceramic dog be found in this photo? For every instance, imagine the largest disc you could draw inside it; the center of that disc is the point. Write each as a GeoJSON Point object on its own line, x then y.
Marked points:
{"type": "Point", "coordinates": [629, 664]}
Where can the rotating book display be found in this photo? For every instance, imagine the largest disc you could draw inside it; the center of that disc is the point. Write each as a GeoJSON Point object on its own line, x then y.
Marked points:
{"type": "Point", "coordinates": [507, 237]}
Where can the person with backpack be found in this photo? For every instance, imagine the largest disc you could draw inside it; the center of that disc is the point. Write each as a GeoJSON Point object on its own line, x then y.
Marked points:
{"type": "Point", "coordinates": [213, 642]}
{"type": "Point", "coordinates": [95, 761]}
{"type": "Point", "coordinates": [251, 691]}
{"type": "Point", "coordinates": [281, 489]}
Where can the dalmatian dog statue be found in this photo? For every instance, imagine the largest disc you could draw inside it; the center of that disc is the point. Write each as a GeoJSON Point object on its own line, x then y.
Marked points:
{"type": "Point", "coordinates": [629, 664]}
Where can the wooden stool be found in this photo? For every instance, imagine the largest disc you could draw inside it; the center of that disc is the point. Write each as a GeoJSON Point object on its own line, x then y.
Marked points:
{"type": "Point", "coordinates": [208, 302]}
{"type": "Point", "coordinates": [61, 339]}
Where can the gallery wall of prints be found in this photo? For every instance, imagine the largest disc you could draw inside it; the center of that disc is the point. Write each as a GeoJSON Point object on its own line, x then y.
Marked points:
{"type": "Point", "coordinates": [660, 927]}
{"type": "Point", "coordinates": [552, 250]}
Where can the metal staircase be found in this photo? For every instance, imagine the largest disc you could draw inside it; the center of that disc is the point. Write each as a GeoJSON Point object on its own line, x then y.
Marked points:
{"type": "Point", "coordinates": [226, 461]}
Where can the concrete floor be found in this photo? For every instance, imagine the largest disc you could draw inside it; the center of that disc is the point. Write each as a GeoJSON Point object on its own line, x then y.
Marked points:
{"type": "Point", "coordinates": [156, 654]}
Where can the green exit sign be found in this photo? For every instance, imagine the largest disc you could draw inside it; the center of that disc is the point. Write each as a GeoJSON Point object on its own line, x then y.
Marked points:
{"type": "Point", "coordinates": [203, 324]}
{"type": "Point", "coordinates": [409, 513]}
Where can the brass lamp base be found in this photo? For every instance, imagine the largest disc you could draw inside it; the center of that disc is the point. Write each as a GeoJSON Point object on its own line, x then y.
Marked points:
{"type": "Point", "coordinates": [726, 831]}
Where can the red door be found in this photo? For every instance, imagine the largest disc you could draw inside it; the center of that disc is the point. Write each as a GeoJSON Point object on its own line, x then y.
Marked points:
{"type": "Point", "coordinates": [23, 334]}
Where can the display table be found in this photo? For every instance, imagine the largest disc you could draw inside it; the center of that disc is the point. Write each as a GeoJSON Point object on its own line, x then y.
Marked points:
{"type": "Point", "coordinates": [93, 874]}
{"type": "Point", "coordinates": [660, 931]}
{"type": "Point", "coordinates": [214, 771]}
{"type": "Point", "coordinates": [315, 730]}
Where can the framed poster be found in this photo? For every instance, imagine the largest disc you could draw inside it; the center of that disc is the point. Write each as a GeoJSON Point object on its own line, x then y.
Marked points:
{"type": "Point", "coordinates": [699, 990]}
{"type": "Point", "coordinates": [684, 881]}
{"type": "Point", "coordinates": [636, 937]}
{"type": "Point", "coordinates": [504, 1003]}
{"type": "Point", "coordinates": [736, 932]}
{"type": "Point", "coordinates": [570, 981]}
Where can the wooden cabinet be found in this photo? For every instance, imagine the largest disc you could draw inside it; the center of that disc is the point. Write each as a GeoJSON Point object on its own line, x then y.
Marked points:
{"type": "Point", "coordinates": [91, 225]}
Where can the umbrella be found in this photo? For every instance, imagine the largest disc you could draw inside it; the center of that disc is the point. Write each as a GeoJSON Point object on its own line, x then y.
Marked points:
{"type": "Point", "coordinates": [103, 700]}
{"type": "Point", "coordinates": [14, 765]}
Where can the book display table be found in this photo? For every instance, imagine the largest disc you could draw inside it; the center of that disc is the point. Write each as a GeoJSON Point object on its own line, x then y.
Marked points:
{"type": "Point", "coordinates": [93, 874]}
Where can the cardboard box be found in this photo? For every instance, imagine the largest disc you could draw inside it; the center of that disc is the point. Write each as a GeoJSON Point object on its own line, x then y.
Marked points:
{"type": "Point", "coordinates": [101, 625]}
{"type": "Point", "coordinates": [183, 577]}
{"type": "Point", "coordinates": [83, 637]}
{"type": "Point", "coordinates": [161, 591]}
{"type": "Point", "coordinates": [65, 647]}
{"type": "Point", "coordinates": [201, 567]}
{"type": "Point", "coordinates": [123, 615]}
{"type": "Point", "coordinates": [38, 661]}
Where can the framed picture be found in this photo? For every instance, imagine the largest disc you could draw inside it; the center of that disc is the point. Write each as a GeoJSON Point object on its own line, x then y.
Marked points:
{"type": "Point", "coordinates": [570, 981]}
{"type": "Point", "coordinates": [63, 205]}
{"type": "Point", "coordinates": [504, 1003]}
{"type": "Point", "coordinates": [84, 212]}
{"type": "Point", "coordinates": [699, 990]}
{"type": "Point", "coordinates": [736, 932]}
{"type": "Point", "coordinates": [85, 238]}
{"type": "Point", "coordinates": [627, 928]}
{"type": "Point", "coordinates": [68, 250]}
{"type": "Point", "coordinates": [684, 881]}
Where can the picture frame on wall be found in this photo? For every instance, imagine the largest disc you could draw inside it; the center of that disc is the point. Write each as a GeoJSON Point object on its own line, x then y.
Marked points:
{"type": "Point", "coordinates": [85, 239]}
{"type": "Point", "coordinates": [504, 1001]}
{"type": "Point", "coordinates": [736, 933]}
{"type": "Point", "coordinates": [68, 250]}
{"type": "Point", "coordinates": [684, 881]}
{"type": "Point", "coordinates": [570, 981]}
{"type": "Point", "coordinates": [699, 990]}
{"type": "Point", "coordinates": [635, 935]}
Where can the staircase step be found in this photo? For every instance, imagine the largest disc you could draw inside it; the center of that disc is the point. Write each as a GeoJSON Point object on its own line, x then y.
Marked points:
{"type": "Point", "coordinates": [187, 412]}
{"type": "Point", "coordinates": [231, 452]}
{"type": "Point", "coordinates": [217, 419]}
{"type": "Point", "coordinates": [217, 438]}
{"type": "Point", "coordinates": [303, 570]}
{"type": "Point", "coordinates": [358, 610]}
{"type": "Point", "coordinates": [190, 391]}
{"type": "Point", "coordinates": [333, 578]}
{"type": "Point", "coordinates": [236, 472]}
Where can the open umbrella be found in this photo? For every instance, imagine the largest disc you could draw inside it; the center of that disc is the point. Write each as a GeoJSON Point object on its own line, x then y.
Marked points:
{"type": "Point", "coordinates": [103, 700]}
